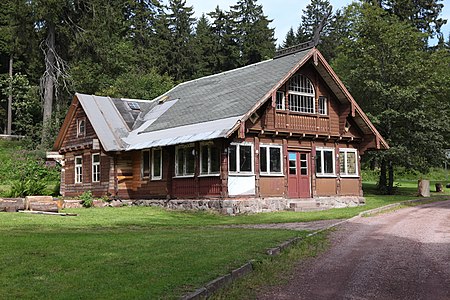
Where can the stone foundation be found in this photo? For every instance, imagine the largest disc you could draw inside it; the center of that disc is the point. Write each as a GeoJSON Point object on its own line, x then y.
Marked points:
{"type": "Point", "coordinates": [249, 205]}
{"type": "Point", "coordinates": [231, 206]}
{"type": "Point", "coordinates": [340, 202]}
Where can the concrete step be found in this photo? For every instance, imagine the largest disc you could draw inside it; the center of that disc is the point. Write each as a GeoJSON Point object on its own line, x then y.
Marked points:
{"type": "Point", "coordinates": [304, 205]}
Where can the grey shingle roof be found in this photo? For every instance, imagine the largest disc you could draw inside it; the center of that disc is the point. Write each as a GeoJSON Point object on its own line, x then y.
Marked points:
{"type": "Point", "coordinates": [229, 94]}
{"type": "Point", "coordinates": [201, 109]}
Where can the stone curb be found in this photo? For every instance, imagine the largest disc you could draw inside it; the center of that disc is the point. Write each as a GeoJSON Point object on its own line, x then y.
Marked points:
{"type": "Point", "coordinates": [218, 283]}
{"type": "Point", "coordinates": [277, 250]}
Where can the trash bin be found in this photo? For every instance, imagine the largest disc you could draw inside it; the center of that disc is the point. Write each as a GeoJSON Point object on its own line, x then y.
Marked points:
{"type": "Point", "coordinates": [438, 187]}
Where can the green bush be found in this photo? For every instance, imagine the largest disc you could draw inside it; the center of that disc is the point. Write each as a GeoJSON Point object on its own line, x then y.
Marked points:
{"type": "Point", "coordinates": [24, 172]}
{"type": "Point", "coordinates": [27, 187]}
{"type": "Point", "coordinates": [86, 199]}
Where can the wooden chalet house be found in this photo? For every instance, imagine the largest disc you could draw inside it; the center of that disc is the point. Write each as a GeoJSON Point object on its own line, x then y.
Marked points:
{"type": "Point", "coordinates": [255, 138]}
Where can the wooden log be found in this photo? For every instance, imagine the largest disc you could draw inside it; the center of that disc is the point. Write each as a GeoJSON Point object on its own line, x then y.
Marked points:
{"type": "Point", "coordinates": [44, 206]}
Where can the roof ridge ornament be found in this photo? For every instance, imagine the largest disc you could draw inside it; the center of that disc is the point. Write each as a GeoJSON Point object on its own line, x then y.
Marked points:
{"type": "Point", "coordinates": [294, 49]}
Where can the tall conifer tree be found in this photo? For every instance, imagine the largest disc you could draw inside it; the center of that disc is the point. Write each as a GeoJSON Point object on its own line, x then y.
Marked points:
{"type": "Point", "coordinates": [255, 38]}
{"type": "Point", "coordinates": [226, 47]}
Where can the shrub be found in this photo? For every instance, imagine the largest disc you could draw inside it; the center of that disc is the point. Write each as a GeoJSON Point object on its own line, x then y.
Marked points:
{"type": "Point", "coordinates": [86, 199]}
{"type": "Point", "coordinates": [27, 187]}
{"type": "Point", "coordinates": [25, 171]}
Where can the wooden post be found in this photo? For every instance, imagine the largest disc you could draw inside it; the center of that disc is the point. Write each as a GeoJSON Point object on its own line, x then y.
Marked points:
{"type": "Point", "coordinates": [224, 170]}
{"type": "Point", "coordinates": [257, 168]}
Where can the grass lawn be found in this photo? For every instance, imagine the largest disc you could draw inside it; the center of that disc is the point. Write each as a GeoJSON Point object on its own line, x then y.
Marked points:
{"type": "Point", "coordinates": [137, 252]}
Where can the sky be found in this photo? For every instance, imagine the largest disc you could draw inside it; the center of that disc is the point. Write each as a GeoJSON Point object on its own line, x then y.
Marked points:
{"type": "Point", "coordinates": [287, 13]}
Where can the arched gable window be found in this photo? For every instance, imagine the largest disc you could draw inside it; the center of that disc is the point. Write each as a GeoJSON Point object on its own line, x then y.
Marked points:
{"type": "Point", "coordinates": [301, 94]}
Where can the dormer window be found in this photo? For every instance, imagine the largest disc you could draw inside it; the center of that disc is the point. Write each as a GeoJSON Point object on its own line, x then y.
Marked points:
{"type": "Point", "coordinates": [301, 95]}
{"type": "Point", "coordinates": [81, 127]}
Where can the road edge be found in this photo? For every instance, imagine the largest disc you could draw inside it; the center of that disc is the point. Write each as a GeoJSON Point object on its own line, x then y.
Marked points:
{"type": "Point", "coordinates": [209, 288]}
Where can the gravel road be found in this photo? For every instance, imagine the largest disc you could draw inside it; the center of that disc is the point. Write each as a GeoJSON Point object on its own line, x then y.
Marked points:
{"type": "Point", "coordinates": [398, 255]}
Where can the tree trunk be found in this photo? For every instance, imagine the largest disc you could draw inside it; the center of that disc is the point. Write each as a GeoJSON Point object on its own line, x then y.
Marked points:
{"type": "Point", "coordinates": [9, 126]}
{"type": "Point", "coordinates": [390, 187]}
{"type": "Point", "coordinates": [382, 182]}
{"type": "Point", "coordinates": [48, 81]}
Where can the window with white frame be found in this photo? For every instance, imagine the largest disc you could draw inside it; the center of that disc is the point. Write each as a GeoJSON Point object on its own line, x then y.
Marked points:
{"type": "Point", "coordinates": [323, 106]}
{"type": "Point", "coordinates": [185, 160]}
{"type": "Point", "coordinates": [145, 168]}
{"type": "Point", "coordinates": [156, 163]}
{"type": "Point", "coordinates": [348, 162]}
{"type": "Point", "coordinates": [78, 169]}
{"type": "Point", "coordinates": [210, 159]}
{"type": "Point", "coordinates": [81, 127]}
{"type": "Point", "coordinates": [240, 158]}
{"type": "Point", "coordinates": [96, 167]}
{"type": "Point", "coordinates": [301, 95]}
{"type": "Point", "coordinates": [270, 159]}
{"type": "Point", "coordinates": [325, 163]}
{"type": "Point", "coordinates": [152, 164]}
{"type": "Point", "coordinates": [280, 100]}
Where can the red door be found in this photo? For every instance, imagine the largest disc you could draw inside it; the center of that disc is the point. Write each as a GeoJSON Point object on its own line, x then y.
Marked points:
{"type": "Point", "coordinates": [298, 172]}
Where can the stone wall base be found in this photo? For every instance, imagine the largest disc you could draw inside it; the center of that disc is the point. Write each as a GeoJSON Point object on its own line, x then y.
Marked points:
{"type": "Point", "coordinates": [249, 205]}
{"type": "Point", "coordinates": [231, 206]}
{"type": "Point", "coordinates": [340, 202]}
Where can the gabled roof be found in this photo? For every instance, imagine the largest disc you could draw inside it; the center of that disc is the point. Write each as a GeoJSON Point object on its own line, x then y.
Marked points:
{"type": "Point", "coordinates": [203, 109]}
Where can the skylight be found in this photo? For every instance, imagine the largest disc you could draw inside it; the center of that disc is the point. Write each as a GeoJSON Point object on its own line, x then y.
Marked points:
{"type": "Point", "coordinates": [134, 105]}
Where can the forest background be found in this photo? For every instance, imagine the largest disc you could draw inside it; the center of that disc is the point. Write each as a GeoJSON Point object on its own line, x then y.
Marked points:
{"type": "Point", "coordinates": [50, 49]}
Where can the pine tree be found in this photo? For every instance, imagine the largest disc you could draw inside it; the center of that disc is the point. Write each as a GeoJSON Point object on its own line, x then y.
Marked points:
{"type": "Point", "coordinates": [181, 25]}
{"type": "Point", "coordinates": [316, 20]}
{"type": "Point", "coordinates": [9, 24]}
{"type": "Point", "coordinates": [290, 39]}
{"type": "Point", "coordinates": [141, 17]}
{"type": "Point", "coordinates": [255, 38]}
{"type": "Point", "coordinates": [226, 47]}
{"type": "Point", "coordinates": [204, 48]}
{"type": "Point", "coordinates": [101, 47]}
{"type": "Point", "coordinates": [51, 22]}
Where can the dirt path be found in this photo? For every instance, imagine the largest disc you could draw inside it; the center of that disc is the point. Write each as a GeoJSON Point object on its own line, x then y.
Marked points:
{"type": "Point", "coordinates": [398, 255]}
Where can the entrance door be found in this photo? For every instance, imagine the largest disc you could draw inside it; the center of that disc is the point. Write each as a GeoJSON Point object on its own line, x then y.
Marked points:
{"type": "Point", "coordinates": [299, 180]}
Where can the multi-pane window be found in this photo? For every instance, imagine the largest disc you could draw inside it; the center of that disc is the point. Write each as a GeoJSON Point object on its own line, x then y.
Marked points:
{"type": "Point", "coordinates": [81, 127]}
{"type": "Point", "coordinates": [240, 157]}
{"type": "Point", "coordinates": [185, 160]}
{"type": "Point", "coordinates": [348, 162]}
{"type": "Point", "coordinates": [210, 160]}
{"type": "Point", "coordinates": [325, 162]}
{"type": "Point", "coordinates": [280, 100]}
{"type": "Point", "coordinates": [301, 95]}
{"type": "Point", "coordinates": [323, 105]}
{"type": "Point", "coordinates": [156, 163]}
{"type": "Point", "coordinates": [292, 163]}
{"type": "Point", "coordinates": [152, 163]}
{"type": "Point", "coordinates": [270, 159]}
{"type": "Point", "coordinates": [95, 167]}
{"type": "Point", "coordinates": [303, 164]}
{"type": "Point", "coordinates": [146, 163]}
{"type": "Point", "coordinates": [78, 169]}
